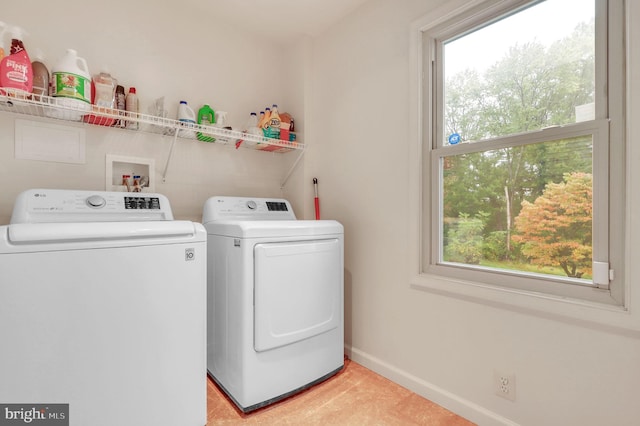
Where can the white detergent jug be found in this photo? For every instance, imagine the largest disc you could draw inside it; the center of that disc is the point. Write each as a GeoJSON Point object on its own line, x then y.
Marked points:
{"type": "Point", "coordinates": [71, 87]}
{"type": "Point", "coordinates": [187, 118]}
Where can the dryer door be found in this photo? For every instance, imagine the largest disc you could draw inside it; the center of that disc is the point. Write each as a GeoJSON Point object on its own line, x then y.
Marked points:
{"type": "Point", "coordinates": [298, 291]}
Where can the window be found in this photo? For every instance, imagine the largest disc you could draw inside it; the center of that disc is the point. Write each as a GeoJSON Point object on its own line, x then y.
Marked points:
{"type": "Point", "coordinates": [523, 147]}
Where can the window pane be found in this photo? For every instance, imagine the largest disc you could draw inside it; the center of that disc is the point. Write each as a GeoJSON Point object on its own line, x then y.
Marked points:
{"type": "Point", "coordinates": [529, 70]}
{"type": "Point", "coordinates": [524, 208]}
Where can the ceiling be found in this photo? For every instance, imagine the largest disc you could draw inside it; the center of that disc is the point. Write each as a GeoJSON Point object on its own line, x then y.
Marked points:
{"type": "Point", "coordinates": [279, 20]}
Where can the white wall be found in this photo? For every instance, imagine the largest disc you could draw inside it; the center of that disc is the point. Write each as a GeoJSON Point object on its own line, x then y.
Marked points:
{"type": "Point", "coordinates": [172, 52]}
{"type": "Point", "coordinates": [349, 90]}
{"type": "Point", "coordinates": [569, 371]}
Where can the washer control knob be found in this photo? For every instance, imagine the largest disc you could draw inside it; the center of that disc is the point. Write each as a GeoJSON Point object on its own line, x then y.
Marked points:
{"type": "Point", "coordinates": [96, 201]}
{"type": "Point", "coordinates": [252, 205]}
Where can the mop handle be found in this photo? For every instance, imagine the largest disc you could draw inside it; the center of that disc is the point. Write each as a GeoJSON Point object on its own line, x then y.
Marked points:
{"type": "Point", "coordinates": [316, 199]}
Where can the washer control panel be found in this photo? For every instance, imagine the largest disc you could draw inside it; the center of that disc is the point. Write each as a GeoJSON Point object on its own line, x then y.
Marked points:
{"type": "Point", "coordinates": [241, 208]}
{"type": "Point", "coordinates": [49, 205]}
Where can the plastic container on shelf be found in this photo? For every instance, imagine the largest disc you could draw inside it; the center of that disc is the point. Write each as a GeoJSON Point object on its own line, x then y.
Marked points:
{"type": "Point", "coordinates": [221, 122]}
{"type": "Point", "coordinates": [206, 117]}
{"type": "Point", "coordinates": [284, 131]}
{"type": "Point", "coordinates": [16, 72]}
{"type": "Point", "coordinates": [187, 118]}
{"type": "Point", "coordinates": [70, 87]}
{"type": "Point", "coordinates": [40, 76]}
{"type": "Point", "coordinates": [252, 129]}
{"type": "Point", "coordinates": [105, 90]}
{"type": "Point", "coordinates": [264, 120]}
{"type": "Point", "coordinates": [221, 119]}
{"type": "Point", "coordinates": [252, 125]}
{"type": "Point", "coordinates": [103, 87]}
{"type": "Point", "coordinates": [272, 127]}
{"type": "Point", "coordinates": [132, 108]}
{"type": "Point", "coordinates": [120, 105]}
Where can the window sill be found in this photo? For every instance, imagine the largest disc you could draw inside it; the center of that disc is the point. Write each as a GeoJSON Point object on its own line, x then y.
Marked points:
{"type": "Point", "coordinates": [616, 319]}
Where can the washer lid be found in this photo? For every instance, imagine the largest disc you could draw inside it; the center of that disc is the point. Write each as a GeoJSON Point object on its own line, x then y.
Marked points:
{"type": "Point", "coordinates": [274, 228]}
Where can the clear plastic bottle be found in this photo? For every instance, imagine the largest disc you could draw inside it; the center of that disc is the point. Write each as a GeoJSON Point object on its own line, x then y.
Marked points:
{"type": "Point", "coordinates": [252, 128]}
{"type": "Point", "coordinates": [221, 120]}
{"type": "Point", "coordinates": [131, 105]}
{"type": "Point", "coordinates": [252, 125]}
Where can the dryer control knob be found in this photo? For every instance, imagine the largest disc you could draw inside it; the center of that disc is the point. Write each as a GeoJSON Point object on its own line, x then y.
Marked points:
{"type": "Point", "coordinates": [96, 201]}
{"type": "Point", "coordinates": [252, 205]}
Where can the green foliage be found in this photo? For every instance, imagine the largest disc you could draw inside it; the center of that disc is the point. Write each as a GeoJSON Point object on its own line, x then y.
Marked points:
{"type": "Point", "coordinates": [494, 247]}
{"type": "Point", "coordinates": [530, 88]}
{"type": "Point", "coordinates": [464, 242]}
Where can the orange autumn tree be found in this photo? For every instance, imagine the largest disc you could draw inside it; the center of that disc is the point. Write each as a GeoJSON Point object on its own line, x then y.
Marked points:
{"type": "Point", "coordinates": [555, 230]}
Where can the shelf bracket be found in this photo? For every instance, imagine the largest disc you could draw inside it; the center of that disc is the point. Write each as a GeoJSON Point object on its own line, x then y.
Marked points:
{"type": "Point", "coordinates": [166, 166]}
{"type": "Point", "coordinates": [293, 167]}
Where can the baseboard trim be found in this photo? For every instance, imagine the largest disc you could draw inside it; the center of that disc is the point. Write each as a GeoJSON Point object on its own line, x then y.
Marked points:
{"type": "Point", "coordinates": [448, 400]}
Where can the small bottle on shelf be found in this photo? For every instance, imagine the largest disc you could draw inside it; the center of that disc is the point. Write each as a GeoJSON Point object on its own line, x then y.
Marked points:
{"type": "Point", "coordinates": [260, 119]}
{"type": "Point", "coordinates": [131, 105]}
{"type": "Point", "coordinates": [120, 105]}
{"type": "Point", "coordinates": [252, 129]}
{"type": "Point", "coordinates": [252, 125]}
{"type": "Point", "coordinates": [273, 130]}
{"type": "Point", "coordinates": [264, 121]}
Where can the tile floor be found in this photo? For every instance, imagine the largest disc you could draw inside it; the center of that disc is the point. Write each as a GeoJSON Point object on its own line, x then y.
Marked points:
{"type": "Point", "coordinates": [355, 396]}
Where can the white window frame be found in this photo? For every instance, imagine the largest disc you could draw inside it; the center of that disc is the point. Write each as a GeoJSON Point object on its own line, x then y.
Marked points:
{"type": "Point", "coordinates": [505, 286]}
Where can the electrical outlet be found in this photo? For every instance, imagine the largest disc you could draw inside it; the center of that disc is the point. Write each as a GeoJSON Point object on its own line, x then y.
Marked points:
{"type": "Point", "coordinates": [504, 385]}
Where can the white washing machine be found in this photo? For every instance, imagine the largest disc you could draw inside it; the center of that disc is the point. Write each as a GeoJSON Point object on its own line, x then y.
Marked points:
{"type": "Point", "coordinates": [103, 308]}
{"type": "Point", "coordinates": [275, 299]}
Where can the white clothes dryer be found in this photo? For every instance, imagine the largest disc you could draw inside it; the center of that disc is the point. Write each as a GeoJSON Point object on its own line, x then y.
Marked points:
{"type": "Point", "coordinates": [102, 310]}
{"type": "Point", "coordinates": [275, 301]}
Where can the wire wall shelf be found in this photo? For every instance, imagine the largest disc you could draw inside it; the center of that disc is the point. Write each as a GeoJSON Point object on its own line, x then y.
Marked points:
{"type": "Point", "coordinates": [71, 110]}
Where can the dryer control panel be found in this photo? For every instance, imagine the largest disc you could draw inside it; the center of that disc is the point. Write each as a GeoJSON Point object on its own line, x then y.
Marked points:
{"type": "Point", "coordinates": [55, 205]}
{"type": "Point", "coordinates": [246, 208]}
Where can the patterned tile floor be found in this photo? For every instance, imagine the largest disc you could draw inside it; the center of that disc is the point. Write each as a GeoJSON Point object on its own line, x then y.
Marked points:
{"type": "Point", "coordinates": [355, 396]}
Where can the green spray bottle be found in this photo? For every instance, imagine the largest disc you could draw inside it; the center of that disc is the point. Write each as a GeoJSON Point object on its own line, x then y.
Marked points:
{"type": "Point", "coordinates": [206, 117]}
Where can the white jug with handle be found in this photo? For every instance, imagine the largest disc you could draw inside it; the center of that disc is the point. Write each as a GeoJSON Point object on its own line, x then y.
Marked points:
{"type": "Point", "coordinates": [187, 118]}
{"type": "Point", "coordinates": [71, 86]}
